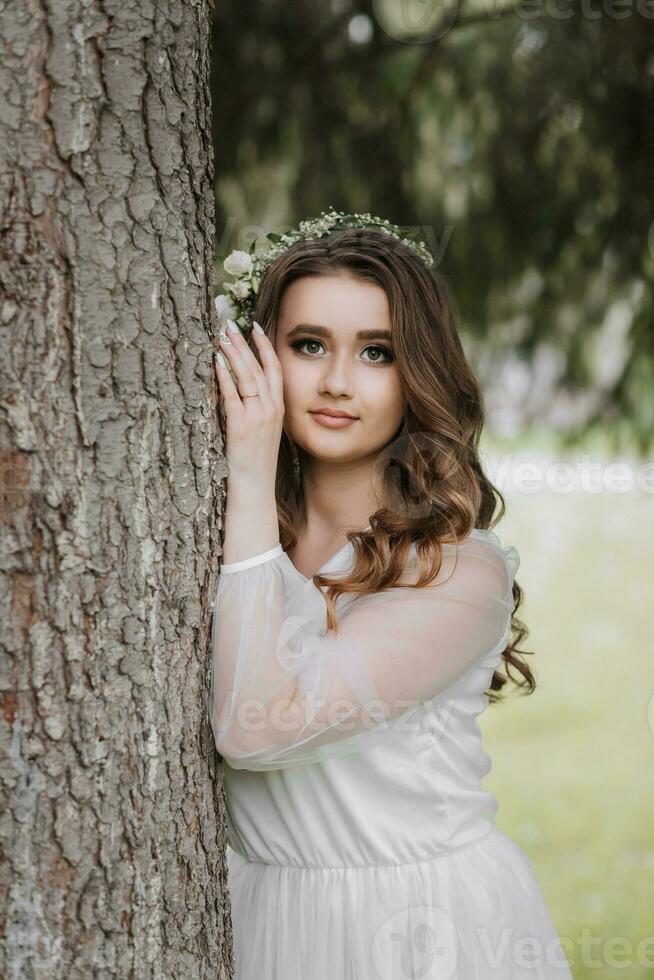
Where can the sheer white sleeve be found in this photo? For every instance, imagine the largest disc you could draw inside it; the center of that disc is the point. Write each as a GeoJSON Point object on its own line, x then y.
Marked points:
{"type": "Point", "coordinates": [285, 691]}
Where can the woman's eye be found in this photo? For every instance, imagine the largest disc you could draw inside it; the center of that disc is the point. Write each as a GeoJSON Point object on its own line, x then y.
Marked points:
{"type": "Point", "coordinates": [301, 343]}
{"type": "Point", "coordinates": [376, 359]}
{"type": "Point", "coordinates": [385, 351]}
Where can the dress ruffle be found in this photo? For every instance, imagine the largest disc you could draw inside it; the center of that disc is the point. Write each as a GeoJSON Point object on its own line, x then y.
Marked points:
{"type": "Point", "coordinates": [442, 919]}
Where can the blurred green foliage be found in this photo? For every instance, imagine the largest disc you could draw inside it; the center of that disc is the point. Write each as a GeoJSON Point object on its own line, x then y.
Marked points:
{"type": "Point", "coordinates": [572, 762]}
{"type": "Point", "coordinates": [518, 138]}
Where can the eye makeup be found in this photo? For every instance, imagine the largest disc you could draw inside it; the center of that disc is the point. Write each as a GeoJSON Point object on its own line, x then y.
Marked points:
{"type": "Point", "coordinates": [388, 354]}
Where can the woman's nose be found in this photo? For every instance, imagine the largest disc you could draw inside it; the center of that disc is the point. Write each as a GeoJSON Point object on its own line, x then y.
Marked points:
{"type": "Point", "coordinates": [337, 377]}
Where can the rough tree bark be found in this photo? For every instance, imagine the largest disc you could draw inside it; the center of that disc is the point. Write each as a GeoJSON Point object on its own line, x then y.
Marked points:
{"type": "Point", "coordinates": [111, 804]}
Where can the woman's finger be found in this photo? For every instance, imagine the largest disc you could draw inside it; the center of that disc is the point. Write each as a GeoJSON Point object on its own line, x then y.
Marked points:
{"type": "Point", "coordinates": [249, 374]}
{"type": "Point", "coordinates": [228, 389]}
{"type": "Point", "coordinates": [270, 361]}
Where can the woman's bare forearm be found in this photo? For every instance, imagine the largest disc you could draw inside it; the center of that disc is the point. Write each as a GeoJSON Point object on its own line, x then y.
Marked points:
{"type": "Point", "coordinates": [251, 525]}
{"type": "Point", "coordinates": [254, 415]}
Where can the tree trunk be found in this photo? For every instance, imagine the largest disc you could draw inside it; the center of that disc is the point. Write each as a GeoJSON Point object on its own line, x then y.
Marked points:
{"type": "Point", "coordinates": [111, 804]}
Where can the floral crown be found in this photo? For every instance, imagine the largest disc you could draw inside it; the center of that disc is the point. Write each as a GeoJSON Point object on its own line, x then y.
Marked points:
{"type": "Point", "coordinates": [238, 300]}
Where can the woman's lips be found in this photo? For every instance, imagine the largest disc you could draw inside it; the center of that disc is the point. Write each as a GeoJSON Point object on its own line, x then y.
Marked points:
{"type": "Point", "coordinates": [331, 421]}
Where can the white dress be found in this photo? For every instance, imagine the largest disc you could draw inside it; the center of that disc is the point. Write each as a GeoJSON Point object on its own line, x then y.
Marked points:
{"type": "Point", "coordinates": [360, 842]}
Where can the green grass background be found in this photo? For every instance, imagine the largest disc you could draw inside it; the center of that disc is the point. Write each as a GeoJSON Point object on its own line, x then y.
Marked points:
{"type": "Point", "coordinates": [573, 763]}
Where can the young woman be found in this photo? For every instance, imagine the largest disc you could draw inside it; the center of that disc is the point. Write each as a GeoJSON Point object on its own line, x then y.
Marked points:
{"type": "Point", "coordinates": [363, 610]}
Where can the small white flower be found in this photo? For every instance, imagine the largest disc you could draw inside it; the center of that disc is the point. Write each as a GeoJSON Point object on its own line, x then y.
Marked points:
{"type": "Point", "coordinates": [238, 263]}
{"type": "Point", "coordinates": [224, 308]}
{"type": "Point", "coordinates": [240, 289]}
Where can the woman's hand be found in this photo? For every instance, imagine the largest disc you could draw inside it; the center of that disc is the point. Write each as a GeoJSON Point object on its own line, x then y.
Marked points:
{"type": "Point", "coordinates": [254, 425]}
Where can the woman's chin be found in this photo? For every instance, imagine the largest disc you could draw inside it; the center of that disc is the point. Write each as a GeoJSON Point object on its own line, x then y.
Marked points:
{"type": "Point", "coordinates": [327, 449]}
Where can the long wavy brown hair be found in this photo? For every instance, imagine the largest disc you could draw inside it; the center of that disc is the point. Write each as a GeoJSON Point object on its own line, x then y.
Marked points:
{"type": "Point", "coordinates": [434, 487]}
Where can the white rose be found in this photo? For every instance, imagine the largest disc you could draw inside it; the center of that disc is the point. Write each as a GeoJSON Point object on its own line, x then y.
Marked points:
{"type": "Point", "coordinates": [238, 263]}
{"type": "Point", "coordinates": [224, 308]}
{"type": "Point", "coordinates": [239, 289]}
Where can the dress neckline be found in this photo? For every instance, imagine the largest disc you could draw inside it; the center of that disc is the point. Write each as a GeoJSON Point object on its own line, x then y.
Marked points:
{"type": "Point", "coordinates": [484, 533]}
{"type": "Point", "coordinates": [326, 563]}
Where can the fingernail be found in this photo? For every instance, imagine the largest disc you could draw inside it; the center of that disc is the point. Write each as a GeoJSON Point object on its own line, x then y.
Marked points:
{"type": "Point", "coordinates": [258, 327]}
{"type": "Point", "coordinates": [224, 339]}
{"type": "Point", "coordinates": [232, 327]}
{"type": "Point", "coordinates": [220, 359]}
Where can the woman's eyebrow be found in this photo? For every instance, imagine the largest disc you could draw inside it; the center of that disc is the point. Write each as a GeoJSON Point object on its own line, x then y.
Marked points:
{"type": "Point", "coordinates": [321, 331]}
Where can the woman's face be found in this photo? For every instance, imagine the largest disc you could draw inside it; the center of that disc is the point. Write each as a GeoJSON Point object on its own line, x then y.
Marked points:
{"type": "Point", "coordinates": [326, 363]}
